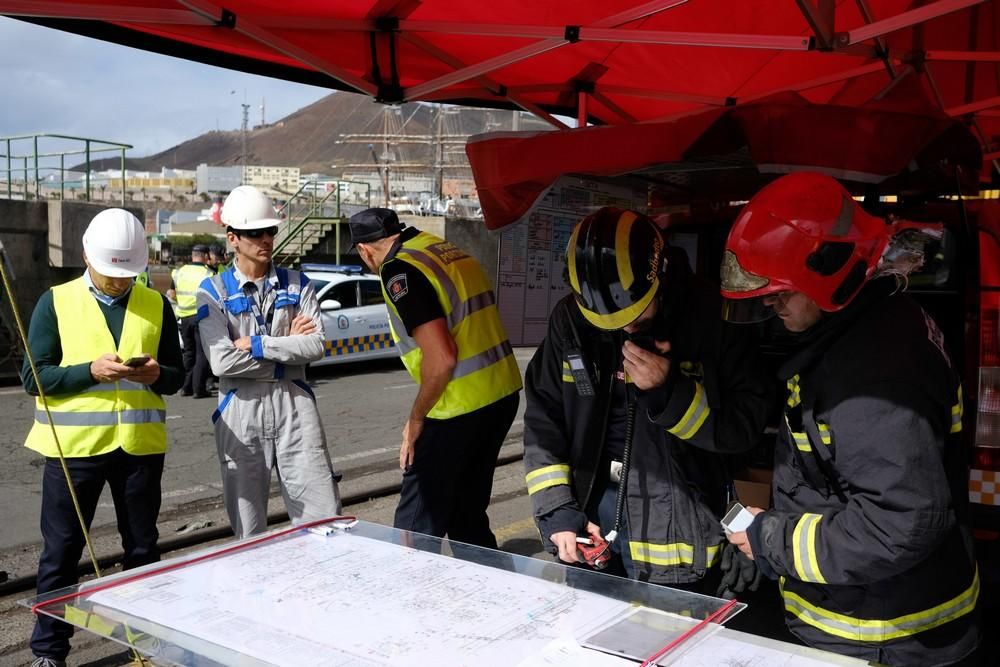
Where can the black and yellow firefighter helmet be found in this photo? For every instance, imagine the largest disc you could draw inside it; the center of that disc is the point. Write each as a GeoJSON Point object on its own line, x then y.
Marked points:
{"type": "Point", "coordinates": [615, 260]}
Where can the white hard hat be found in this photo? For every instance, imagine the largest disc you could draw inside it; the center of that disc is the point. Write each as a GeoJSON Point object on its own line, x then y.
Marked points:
{"type": "Point", "coordinates": [115, 244]}
{"type": "Point", "coordinates": [246, 207]}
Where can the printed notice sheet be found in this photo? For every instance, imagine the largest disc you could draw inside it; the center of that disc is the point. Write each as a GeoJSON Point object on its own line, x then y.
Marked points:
{"type": "Point", "coordinates": [353, 600]}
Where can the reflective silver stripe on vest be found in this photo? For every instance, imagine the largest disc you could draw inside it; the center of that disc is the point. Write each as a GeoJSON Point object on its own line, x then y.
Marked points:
{"type": "Point", "coordinates": [471, 305]}
{"type": "Point", "coordinates": [443, 280]}
{"type": "Point", "coordinates": [464, 309]}
{"type": "Point", "coordinates": [404, 343]}
{"type": "Point", "coordinates": [482, 360]}
{"type": "Point", "coordinates": [459, 311]}
{"type": "Point", "coordinates": [149, 416]}
{"type": "Point", "coordinates": [123, 385]}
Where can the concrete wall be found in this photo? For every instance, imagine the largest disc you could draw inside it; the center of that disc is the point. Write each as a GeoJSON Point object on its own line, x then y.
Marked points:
{"type": "Point", "coordinates": [66, 222]}
{"type": "Point", "coordinates": [43, 243]}
{"type": "Point", "coordinates": [24, 233]}
{"type": "Point", "coordinates": [473, 237]}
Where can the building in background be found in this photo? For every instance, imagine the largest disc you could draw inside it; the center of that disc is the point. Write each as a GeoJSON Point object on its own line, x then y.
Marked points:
{"type": "Point", "coordinates": [210, 179]}
{"type": "Point", "coordinates": [273, 181]}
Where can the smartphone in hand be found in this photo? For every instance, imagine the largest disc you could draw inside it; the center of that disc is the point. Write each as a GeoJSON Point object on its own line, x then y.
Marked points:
{"type": "Point", "coordinates": [737, 519]}
{"type": "Point", "coordinates": [135, 362]}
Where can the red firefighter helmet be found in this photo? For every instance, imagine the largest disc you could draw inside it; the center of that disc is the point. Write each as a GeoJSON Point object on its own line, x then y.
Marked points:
{"type": "Point", "coordinates": [804, 233]}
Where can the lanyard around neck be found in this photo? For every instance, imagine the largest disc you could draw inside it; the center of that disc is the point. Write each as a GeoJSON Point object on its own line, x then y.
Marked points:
{"type": "Point", "coordinates": [251, 292]}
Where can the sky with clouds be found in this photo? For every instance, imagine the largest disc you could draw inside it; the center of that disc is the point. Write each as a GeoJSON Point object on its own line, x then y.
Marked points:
{"type": "Point", "coordinates": [60, 83]}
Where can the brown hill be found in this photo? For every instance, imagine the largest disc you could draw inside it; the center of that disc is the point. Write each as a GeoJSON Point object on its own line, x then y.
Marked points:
{"type": "Point", "coordinates": [312, 137]}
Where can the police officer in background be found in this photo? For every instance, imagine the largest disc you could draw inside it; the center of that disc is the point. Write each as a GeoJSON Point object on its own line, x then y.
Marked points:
{"type": "Point", "coordinates": [106, 351]}
{"type": "Point", "coordinates": [184, 291]}
{"type": "Point", "coordinates": [868, 530]}
{"type": "Point", "coordinates": [444, 320]}
{"type": "Point", "coordinates": [217, 258]}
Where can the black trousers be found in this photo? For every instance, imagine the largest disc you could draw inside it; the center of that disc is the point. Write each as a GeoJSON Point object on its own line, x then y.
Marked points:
{"type": "Point", "coordinates": [195, 361]}
{"type": "Point", "coordinates": [135, 490]}
{"type": "Point", "coordinates": [447, 489]}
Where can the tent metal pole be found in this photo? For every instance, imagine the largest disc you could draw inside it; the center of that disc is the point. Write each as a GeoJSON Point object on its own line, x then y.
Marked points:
{"type": "Point", "coordinates": [283, 46]}
{"type": "Point", "coordinates": [87, 12]}
{"type": "Point", "coordinates": [904, 20]}
{"type": "Point", "coordinates": [963, 56]}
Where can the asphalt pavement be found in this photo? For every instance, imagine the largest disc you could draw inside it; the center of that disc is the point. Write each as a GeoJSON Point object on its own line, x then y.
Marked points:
{"type": "Point", "coordinates": [363, 406]}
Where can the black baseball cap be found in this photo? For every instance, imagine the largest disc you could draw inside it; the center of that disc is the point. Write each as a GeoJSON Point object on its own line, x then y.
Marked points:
{"type": "Point", "coordinates": [373, 224]}
{"type": "Point", "coordinates": [200, 248]}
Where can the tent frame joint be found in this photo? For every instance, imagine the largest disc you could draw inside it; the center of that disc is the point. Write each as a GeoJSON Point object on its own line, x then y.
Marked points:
{"type": "Point", "coordinates": [227, 20]}
{"type": "Point", "coordinates": [572, 34]}
{"type": "Point", "coordinates": [389, 93]}
{"type": "Point", "coordinates": [387, 24]}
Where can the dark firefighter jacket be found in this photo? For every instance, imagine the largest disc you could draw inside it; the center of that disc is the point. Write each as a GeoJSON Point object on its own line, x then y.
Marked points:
{"type": "Point", "coordinates": [870, 489]}
{"type": "Point", "coordinates": [714, 402]}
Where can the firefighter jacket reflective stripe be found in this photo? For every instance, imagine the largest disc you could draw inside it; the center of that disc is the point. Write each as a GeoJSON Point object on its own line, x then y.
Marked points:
{"type": "Point", "coordinates": [486, 370]}
{"type": "Point", "coordinates": [186, 282]}
{"type": "Point", "coordinates": [867, 527]}
{"type": "Point", "coordinates": [715, 401]}
{"type": "Point", "coordinates": [106, 416]}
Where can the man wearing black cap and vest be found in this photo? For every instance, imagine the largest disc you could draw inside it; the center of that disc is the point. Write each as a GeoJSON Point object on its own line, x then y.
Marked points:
{"type": "Point", "coordinates": [184, 290]}
{"type": "Point", "coordinates": [444, 321]}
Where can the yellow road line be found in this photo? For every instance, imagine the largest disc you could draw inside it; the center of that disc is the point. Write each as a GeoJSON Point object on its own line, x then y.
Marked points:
{"type": "Point", "coordinates": [516, 529]}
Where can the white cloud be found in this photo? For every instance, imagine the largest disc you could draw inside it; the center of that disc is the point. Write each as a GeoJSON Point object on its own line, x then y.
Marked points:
{"type": "Point", "coordinates": [56, 82]}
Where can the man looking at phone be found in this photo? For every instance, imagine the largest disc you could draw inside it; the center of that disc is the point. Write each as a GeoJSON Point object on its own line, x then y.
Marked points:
{"type": "Point", "coordinates": [106, 350]}
{"type": "Point", "coordinates": [260, 326]}
{"type": "Point", "coordinates": [633, 398]}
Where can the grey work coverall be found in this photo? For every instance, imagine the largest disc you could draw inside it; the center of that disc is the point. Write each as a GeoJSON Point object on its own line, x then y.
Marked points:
{"type": "Point", "coordinates": [267, 416]}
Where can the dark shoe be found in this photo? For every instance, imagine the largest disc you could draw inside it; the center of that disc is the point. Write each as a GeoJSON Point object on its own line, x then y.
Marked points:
{"type": "Point", "coordinates": [44, 661]}
{"type": "Point", "coordinates": [186, 393]}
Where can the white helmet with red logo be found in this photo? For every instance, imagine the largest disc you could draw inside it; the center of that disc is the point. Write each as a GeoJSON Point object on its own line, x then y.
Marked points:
{"type": "Point", "coordinates": [115, 244]}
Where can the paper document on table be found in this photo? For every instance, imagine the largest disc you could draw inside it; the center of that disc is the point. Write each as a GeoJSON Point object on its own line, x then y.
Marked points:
{"type": "Point", "coordinates": [353, 600]}
{"type": "Point", "coordinates": [568, 653]}
{"type": "Point", "coordinates": [744, 650]}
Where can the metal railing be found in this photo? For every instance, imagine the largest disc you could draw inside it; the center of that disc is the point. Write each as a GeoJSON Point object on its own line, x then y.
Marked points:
{"type": "Point", "coordinates": [309, 217]}
{"type": "Point", "coordinates": [35, 163]}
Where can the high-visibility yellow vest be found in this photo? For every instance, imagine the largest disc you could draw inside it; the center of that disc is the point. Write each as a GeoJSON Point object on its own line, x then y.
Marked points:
{"type": "Point", "coordinates": [186, 282]}
{"type": "Point", "coordinates": [486, 369]}
{"type": "Point", "coordinates": [106, 416]}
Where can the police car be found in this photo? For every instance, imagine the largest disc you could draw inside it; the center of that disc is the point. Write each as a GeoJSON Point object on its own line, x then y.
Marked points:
{"type": "Point", "coordinates": [354, 313]}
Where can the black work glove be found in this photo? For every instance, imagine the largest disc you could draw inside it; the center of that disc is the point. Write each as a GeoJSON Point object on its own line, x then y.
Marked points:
{"type": "Point", "coordinates": [739, 573]}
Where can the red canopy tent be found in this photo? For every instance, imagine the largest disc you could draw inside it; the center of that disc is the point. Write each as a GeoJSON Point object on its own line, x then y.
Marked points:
{"type": "Point", "coordinates": [611, 62]}
{"type": "Point", "coordinates": [724, 155]}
